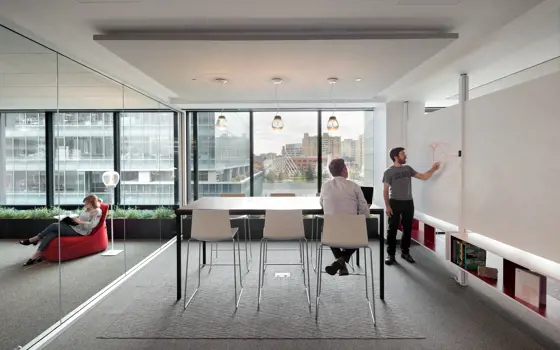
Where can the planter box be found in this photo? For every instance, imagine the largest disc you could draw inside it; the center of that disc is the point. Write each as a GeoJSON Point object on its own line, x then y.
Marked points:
{"type": "Point", "coordinates": [22, 228]}
{"type": "Point", "coordinates": [147, 228]}
{"type": "Point", "coordinates": [142, 228]}
{"type": "Point", "coordinates": [257, 226]}
{"type": "Point", "coordinates": [135, 228]}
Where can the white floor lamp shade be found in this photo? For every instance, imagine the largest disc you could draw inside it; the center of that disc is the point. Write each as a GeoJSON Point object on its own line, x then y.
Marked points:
{"type": "Point", "coordinates": [111, 180]}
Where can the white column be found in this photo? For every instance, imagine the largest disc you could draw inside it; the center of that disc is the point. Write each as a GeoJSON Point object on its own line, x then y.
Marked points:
{"type": "Point", "coordinates": [2, 160]}
{"type": "Point", "coordinates": [390, 130]}
{"type": "Point", "coordinates": [463, 98]}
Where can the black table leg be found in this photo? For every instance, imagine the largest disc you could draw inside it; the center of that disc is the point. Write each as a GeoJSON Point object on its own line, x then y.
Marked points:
{"type": "Point", "coordinates": [382, 255]}
{"type": "Point", "coordinates": [179, 235]}
{"type": "Point", "coordinates": [358, 257]}
{"type": "Point", "coordinates": [204, 253]}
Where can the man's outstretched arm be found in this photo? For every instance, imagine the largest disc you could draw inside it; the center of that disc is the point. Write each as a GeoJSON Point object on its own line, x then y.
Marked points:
{"type": "Point", "coordinates": [427, 174]}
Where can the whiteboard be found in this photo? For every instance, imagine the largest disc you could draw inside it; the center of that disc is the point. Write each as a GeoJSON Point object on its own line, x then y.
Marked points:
{"type": "Point", "coordinates": [512, 173]}
{"type": "Point", "coordinates": [435, 137]}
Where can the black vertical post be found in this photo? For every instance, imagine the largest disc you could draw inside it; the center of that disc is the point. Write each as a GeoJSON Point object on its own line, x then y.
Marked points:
{"type": "Point", "coordinates": [49, 148]}
{"type": "Point", "coordinates": [117, 153]}
{"type": "Point", "coordinates": [251, 155]}
{"type": "Point", "coordinates": [179, 238]}
{"type": "Point", "coordinates": [195, 155]}
{"type": "Point", "coordinates": [319, 152]}
{"type": "Point", "coordinates": [176, 173]}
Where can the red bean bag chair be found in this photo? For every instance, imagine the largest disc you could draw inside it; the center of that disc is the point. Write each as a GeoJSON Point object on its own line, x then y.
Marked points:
{"type": "Point", "coordinates": [73, 247]}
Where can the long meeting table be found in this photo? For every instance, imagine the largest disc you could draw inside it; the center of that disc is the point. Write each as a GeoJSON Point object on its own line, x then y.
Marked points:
{"type": "Point", "coordinates": [259, 206]}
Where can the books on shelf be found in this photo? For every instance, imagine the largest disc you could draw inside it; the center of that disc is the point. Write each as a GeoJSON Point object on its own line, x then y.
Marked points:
{"type": "Point", "coordinates": [468, 256]}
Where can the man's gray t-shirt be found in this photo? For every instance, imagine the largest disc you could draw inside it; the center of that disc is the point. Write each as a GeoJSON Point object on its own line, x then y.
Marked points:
{"type": "Point", "coordinates": [399, 180]}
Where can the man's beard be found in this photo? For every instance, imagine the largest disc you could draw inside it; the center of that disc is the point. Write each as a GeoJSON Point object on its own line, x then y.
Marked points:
{"type": "Point", "coordinates": [402, 161]}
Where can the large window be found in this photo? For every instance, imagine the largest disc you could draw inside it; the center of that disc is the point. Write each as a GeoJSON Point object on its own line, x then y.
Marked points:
{"type": "Point", "coordinates": [22, 159]}
{"type": "Point", "coordinates": [147, 158]}
{"type": "Point", "coordinates": [347, 143]}
{"type": "Point", "coordinates": [83, 151]}
{"type": "Point", "coordinates": [287, 159]}
{"type": "Point", "coordinates": [223, 154]}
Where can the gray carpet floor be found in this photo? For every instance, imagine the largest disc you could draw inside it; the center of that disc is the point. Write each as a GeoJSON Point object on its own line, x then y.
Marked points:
{"type": "Point", "coordinates": [31, 296]}
{"type": "Point", "coordinates": [143, 312]}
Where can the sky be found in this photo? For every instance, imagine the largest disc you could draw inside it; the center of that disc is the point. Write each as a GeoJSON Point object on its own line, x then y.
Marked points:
{"type": "Point", "coordinates": [295, 125]}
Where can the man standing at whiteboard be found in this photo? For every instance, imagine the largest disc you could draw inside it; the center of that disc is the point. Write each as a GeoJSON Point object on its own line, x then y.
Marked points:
{"type": "Point", "coordinates": [397, 193]}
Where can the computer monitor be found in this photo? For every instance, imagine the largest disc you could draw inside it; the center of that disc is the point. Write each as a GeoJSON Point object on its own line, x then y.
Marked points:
{"type": "Point", "coordinates": [368, 194]}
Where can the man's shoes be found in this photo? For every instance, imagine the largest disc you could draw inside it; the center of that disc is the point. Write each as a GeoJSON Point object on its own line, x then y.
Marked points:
{"type": "Point", "coordinates": [408, 257]}
{"type": "Point", "coordinates": [337, 265]}
{"type": "Point", "coordinates": [390, 260]}
{"type": "Point", "coordinates": [343, 271]}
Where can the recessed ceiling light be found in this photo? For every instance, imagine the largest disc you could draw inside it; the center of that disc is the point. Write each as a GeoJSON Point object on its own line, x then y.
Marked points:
{"type": "Point", "coordinates": [358, 79]}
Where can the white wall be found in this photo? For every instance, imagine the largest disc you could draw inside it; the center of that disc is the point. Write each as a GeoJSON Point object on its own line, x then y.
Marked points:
{"type": "Point", "coordinates": [511, 166]}
{"type": "Point", "coordinates": [379, 152]}
{"type": "Point", "coordinates": [388, 128]}
{"type": "Point", "coordinates": [439, 196]}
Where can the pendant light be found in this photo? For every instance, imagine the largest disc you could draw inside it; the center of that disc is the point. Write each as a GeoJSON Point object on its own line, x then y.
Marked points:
{"type": "Point", "coordinates": [221, 122]}
{"type": "Point", "coordinates": [332, 124]}
{"type": "Point", "coordinates": [277, 123]}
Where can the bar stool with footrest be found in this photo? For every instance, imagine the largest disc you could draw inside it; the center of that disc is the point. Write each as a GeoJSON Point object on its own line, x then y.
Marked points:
{"type": "Point", "coordinates": [213, 226]}
{"type": "Point", "coordinates": [247, 230]}
{"type": "Point", "coordinates": [346, 232]}
{"type": "Point", "coordinates": [284, 225]}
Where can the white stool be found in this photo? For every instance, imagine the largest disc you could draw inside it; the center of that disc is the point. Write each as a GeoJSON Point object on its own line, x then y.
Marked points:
{"type": "Point", "coordinates": [248, 239]}
{"type": "Point", "coordinates": [284, 194]}
{"type": "Point", "coordinates": [284, 225]}
{"type": "Point", "coordinates": [213, 226]}
{"type": "Point", "coordinates": [346, 232]}
{"type": "Point", "coordinates": [315, 229]}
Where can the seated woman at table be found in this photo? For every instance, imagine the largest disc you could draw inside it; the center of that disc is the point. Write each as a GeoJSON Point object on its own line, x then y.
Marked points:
{"type": "Point", "coordinates": [84, 224]}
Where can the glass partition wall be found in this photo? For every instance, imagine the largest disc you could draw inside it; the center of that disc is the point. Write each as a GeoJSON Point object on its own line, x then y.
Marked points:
{"type": "Point", "coordinates": [62, 126]}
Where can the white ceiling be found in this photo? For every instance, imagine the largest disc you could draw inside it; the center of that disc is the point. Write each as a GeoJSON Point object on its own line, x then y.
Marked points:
{"type": "Point", "coordinates": [404, 69]}
{"type": "Point", "coordinates": [249, 67]}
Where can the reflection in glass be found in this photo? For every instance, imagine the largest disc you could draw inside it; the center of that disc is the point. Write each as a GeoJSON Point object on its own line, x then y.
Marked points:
{"type": "Point", "coordinates": [30, 295]}
{"type": "Point", "coordinates": [22, 159]}
{"type": "Point", "coordinates": [147, 158]}
{"type": "Point", "coordinates": [223, 155]}
{"type": "Point", "coordinates": [83, 152]}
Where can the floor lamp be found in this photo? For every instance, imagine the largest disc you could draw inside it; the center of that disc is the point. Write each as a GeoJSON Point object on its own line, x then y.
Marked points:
{"type": "Point", "coordinates": [111, 180]}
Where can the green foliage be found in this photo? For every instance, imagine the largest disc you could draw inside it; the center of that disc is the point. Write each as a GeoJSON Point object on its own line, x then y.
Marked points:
{"type": "Point", "coordinates": [310, 173]}
{"type": "Point", "coordinates": [117, 213]}
{"type": "Point", "coordinates": [164, 213]}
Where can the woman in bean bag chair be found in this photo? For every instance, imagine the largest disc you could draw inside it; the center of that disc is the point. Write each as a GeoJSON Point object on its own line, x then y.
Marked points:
{"type": "Point", "coordinates": [84, 235]}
